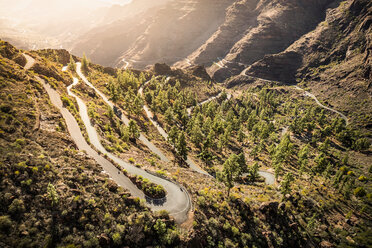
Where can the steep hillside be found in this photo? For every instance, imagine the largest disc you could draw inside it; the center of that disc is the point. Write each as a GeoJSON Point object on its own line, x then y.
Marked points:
{"type": "Point", "coordinates": [192, 32]}
{"type": "Point", "coordinates": [334, 61]}
{"type": "Point", "coordinates": [166, 33]}
{"type": "Point", "coordinates": [264, 164]}
{"type": "Point", "coordinates": [273, 26]}
{"type": "Point", "coordinates": [52, 194]}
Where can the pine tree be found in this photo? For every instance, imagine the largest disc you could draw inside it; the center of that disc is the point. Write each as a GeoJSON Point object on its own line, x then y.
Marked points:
{"type": "Point", "coordinates": [324, 147]}
{"type": "Point", "coordinates": [196, 136]}
{"type": "Point", "coordinates": [85, 64]}
{"type": "Point", "coordinates": [124, 133]}
{"type": "Point", "coordinates": [286, 183]}
{"type": "Point", "coordinates": [148, 98]}
{"type": "Point", "coordinates": [242, 163]}
{"type": "Point", "coordinates": [173, 136]}
{"type": "Point", "coordinates": [133, 129]}
{"type": "Point", "coordinates": [110, 112]}
{"type": "Point", "coordinates": [114, 92]}
{"type": "Point", "coordinates": [137, 105]}
{"type": "Point", "coordinates": [142, 78]}
{"type": "Point", "coordinates": [231, 172]}
{"type": "Point", "coordinates": [303, 156]}
{"type": "Point", "coordinates": [181, 146]}
{"type": "Point", "coordinates": [168, 115]}
{"type": "Point", "coordinates": [72, 65]}
{"type": "Point", "coordinates": [241, 135]}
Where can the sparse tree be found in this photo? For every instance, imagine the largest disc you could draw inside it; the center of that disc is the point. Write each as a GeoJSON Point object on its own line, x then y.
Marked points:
{"type": "Point", "coordinates": [285, 185]}
{"type": "Point", "coordinates": [303, 156]}
{"type": "Point", "coordinates": [133, 129]}
{"type": "Point", "coordinates": [231, 172]}
{"type": "Point", "coordinates": [181, 146]}
{"type": "Point", "coordinates": [137, 105]}
{"type": "Point", "coordinates": [72, 65]}
{"type": "Point", "coordinates": [361, 144]}
{"type": "Point", "coordinates": [52, 194]}
{"type": "Point", "coordinates": [85, 64]}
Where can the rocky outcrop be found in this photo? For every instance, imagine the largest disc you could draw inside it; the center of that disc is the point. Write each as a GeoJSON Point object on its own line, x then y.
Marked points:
{"type": "Point", "coordinates": [239, 16]}
{"type": "Point", "coordinates": [48, 72]}
{"type": "Point", "coordinates": [334, 39]}
{"type": "Point", "coordinates": [20, 59]}
{"type": "Point", "coordinates": [269, 208]}
{"type": "Point", "coordinates": [200, 72]}
{"type": "Point", "coordinates": [277, 25]}
{"type": "Point", "coordinates": [10, 52]}
{"type": "Point", "coordinates": [334, 60]}
{"type": "Point", "coordinates": [279, 67]}
{"type": "Point", "coordinates": [162, 69]}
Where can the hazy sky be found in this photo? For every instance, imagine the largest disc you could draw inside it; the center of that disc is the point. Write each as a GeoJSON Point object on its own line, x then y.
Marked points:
{"type": "Point", "coordinates": [52, 19]}
{"type": "Point", "coordinates": [23, 8]}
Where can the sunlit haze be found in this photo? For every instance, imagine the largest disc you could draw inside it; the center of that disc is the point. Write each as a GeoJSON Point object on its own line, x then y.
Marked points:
{"type": "Point", "coordinates": [53, 22]}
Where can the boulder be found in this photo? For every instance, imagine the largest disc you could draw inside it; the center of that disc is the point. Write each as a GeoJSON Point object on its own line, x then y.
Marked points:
{"type": "Point", "coordinates": [269, 207]}
{"type": "Point", "coordinates": [162, 69]}
{"type": "Point", "coordinates": [199, 71]}
{"type": "Point", "coordinates": [326, 244]}
{"type": "Point", "coordinates": [21, 60]}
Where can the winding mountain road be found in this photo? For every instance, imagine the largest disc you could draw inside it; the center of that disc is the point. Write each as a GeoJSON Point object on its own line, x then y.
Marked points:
{"type": "Point", "coordinates": [268, 176]}
{"type": "Point", "coordinates": [323, 106]}
{"type": "Point", "coordinates": [30, 61]}
{"type": "Point", "coordinates": [123, 118]}
{"type": "Point", "coordinates": [124, 67]}
{"type": "Point", "coordinates": [189, 110]}
{"type": "Point", "coordinates": [163, 133]}
{"type": "Point", "coordinates": [307, 93]}
{"type": "Point", "coordinates": [177, 201]}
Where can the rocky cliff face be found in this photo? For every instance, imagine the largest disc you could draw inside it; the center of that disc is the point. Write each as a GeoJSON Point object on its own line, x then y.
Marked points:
{"type": "Point", "coordinates": [235, 33]}
{"type": "Point", "coordinates": [334, 60]}
{"type": "Point", "coordinates": [272, 27]}
{"type": "Point", "coordinates": [166, 33]}
{"type": "Point", "coordinates": [272, 39]}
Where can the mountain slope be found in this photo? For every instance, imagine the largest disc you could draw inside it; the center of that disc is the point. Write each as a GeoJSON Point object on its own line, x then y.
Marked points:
{"type": "Point", "coordinates": [333, 60]}
{"type": "Point", "coordinates": [167, 33]}
{"type": "Point", "coordinates": [51, 193]}
{"type": "Point", "coordinates": [238, 33]}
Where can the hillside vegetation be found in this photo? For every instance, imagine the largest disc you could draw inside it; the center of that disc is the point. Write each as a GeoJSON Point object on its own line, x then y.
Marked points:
{"type": "Point", "coordinates": [272, 164]}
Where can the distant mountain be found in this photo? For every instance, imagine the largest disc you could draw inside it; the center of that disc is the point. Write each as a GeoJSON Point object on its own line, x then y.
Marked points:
{"type": "Point", "coordinates": [36, 24]}
{"type": "Point", "coordinates": [235, 33]}
{"type": "Point", "coordinates": [334, 60]}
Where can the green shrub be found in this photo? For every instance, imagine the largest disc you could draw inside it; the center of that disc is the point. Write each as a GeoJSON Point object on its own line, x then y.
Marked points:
{"type": "Point", "coordinates": [16, 207]}
{"type": "Point", "coordinates": [66, 101]}
{"type": "Point", "coordinates": [116, 237]}
{"type": "Point", "coordinates": [363, 178]}
{"type": "Point", "coordinates": [361, 144]}
{"type": "Point", "coordinates": [5, 223]}
{"type": "Point", "coordinates": [5, 108]}
{"type": "Point", "coordinates": [160, 172]}
{"type": "Point", "coordinates": [21, 142]}
{"type": "Point", "coordinates": [360, 192]}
